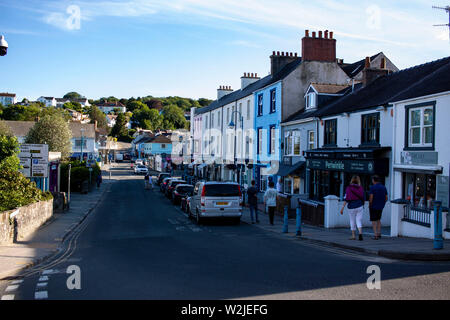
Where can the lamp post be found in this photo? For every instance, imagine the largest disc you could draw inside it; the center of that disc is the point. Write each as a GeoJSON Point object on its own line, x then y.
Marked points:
{"type": "Point", "coordinates": [232, 125]}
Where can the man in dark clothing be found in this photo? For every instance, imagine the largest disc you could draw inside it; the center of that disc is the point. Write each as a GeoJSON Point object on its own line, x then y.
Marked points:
{"type": "Point", "coordinates": [253, 201]}
{"type": "Point", "coordinates": [99, 180]}
{"type": "Point", "coordinates": [378, 197]}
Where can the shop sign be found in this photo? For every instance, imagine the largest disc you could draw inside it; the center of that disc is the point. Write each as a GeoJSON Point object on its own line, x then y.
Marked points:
{"type": "Point", "coordinates": [419, 158]}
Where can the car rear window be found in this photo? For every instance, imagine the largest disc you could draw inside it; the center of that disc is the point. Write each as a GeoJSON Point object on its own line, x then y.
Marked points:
{"type": "Point", "coordinates": [185, 189]}
{"type": "Point", "coordinates": [221, 190]}
{"type": "Point", "coordinates": [142, 167]}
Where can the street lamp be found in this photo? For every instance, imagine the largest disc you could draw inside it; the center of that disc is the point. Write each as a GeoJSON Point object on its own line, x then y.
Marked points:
{"type": "Point", "coordinates": [232, 125]}
{"type": "Point", "coordinates": [3, 46]}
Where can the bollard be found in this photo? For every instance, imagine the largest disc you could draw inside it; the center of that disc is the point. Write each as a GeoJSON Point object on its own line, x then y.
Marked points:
{"type": "Point", "coordinates": [286, 220]}
{"type": "Point", "coordinates": [438, 241]}
{"type": "Point", "coordinates": [299, 222]}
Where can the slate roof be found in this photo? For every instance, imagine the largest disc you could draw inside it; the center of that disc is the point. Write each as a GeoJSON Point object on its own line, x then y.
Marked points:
{"type": "Point", "coordinates": [19, 128]}
{"type": "Point", "coordinates": [241, 93]}
{"type": "Point", "coordinates": [353, 69]}
{"type": "Point", "coordinates": [89, 129]}
{"type": "Point", "coordinates": [429, 78]}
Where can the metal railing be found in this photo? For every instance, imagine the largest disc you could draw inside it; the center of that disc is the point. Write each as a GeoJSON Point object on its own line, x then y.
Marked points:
{"type": "Point", "coordinates": [417, 215]}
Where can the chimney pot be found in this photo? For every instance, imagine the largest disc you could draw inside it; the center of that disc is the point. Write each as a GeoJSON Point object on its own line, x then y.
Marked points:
{"type": "Point", "coordinates": [307, 33]}
{"type": "Point", "coordinates": [314, 34]}
{"type": "Point", "coordinates": [331, 34]}
{"type": "Point", "coordinates": [367, 64]}
{"type": "Point", "coordinates": [295, 54]}
{"type": "Point", "coordinates": [278, 53]}
{"type": "Point", "coordinates": [326, 34]}
{"type": "Point", "coordinates": [256, 75]}
{"type": "Point", "coordinates": [320, 34]}
{"type": "Point", "coordinates": [273, 53]}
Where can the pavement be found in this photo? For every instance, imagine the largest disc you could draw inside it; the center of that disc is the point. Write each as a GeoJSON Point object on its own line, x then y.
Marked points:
{"type": "Point", "coordinates": [47, 240]}
{"type": "Point", "coordinates": [390, 247]}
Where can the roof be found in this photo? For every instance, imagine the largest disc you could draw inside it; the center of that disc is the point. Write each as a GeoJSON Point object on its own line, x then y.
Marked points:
{"type": "Point", "coordinates": [329, 88]}
{"type": "Point", "coordinates": [20, 128]}
{"type": "Point", "coordinates": [353, 69]}
{"type": "Point", "coordinates": [6, 94]}
{"type": "Point", "coordinates": [429, 78]}
{"type": "Point", "coordinates": [241, 93]}
{"type": "Point", "coordinates": [115, 104]}
{"type": "Point", "coordinates": [89, 129]}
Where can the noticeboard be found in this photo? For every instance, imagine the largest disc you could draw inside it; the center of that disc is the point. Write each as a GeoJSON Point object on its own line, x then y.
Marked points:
{"type": "Point", "coordinates": [34, 160]}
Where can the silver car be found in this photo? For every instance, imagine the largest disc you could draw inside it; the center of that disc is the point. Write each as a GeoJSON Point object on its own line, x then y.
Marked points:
{"type": "Point", "coordinates": [216, 200]}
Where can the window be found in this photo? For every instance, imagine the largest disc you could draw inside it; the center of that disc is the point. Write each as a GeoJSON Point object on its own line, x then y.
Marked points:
{"type": "Point", "coordinates": [288, 143]}
{"type": "Point", "coordinates": [260, 105]}
{"type": "Point", "coordinates": [247, 146]}
{"type": "Point", "coordinates": [163, 145]}
{"type": "Point", "coordinates": [287, 185]}
{"type": "Point", "coordinates": [240, 109]}
{"type": "Point", "coordinates": [420, 123]}
{"type": "Point", "coordinates": [228, 116]}
{"type": "Point", "coordinates": [218, 119]}
{"type": "Point", "coordinates": [370, 133]}
{"type": "Point", "coordinates": [330, 132]}
{"type": "Point", "coordinates": [260, 140]}
{"type": "Point", "coordinates": [311, 140]}
{"type": "Point", "coordinates": [248, 109]}
{"type": "Point", "coordinates": [212, 119]}
{"type": "Point", "coordinates": [239, 144]}
{"type": "Point", "coordinates": [419, 189]}
{"type": "Point", "coordinates": [212, 145]}
{"type": "Point", "coordinates": [263, 182]}
{"type": "Point", "coordinates": [206, 122]}
{"type": "Point", "coordinates": [310, 101]}
{"type": "Point", "coordinates": [78, 143]}
{"type": "Point", "coordinates": [273, 100]}
{"type": "Point", "coordinates": [296, 139]}
{"type": "Point", "coordinates": [272, 140]}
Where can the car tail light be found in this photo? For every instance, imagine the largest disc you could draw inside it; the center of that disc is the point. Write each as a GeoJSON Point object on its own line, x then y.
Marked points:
{"type": "Point", "coordinates": [202, 201]}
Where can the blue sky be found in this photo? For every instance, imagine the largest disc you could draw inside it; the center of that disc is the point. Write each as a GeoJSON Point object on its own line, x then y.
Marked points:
{"type": "Point", "coordinates": [190, 47]}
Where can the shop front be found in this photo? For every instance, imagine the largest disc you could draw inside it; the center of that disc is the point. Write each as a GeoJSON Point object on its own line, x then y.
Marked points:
{"type": "Point", "coordinates": [329, 171]}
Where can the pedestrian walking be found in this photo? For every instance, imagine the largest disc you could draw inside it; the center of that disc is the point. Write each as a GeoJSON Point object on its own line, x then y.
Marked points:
{"type": "Point", "coordinates": [150, 182]}
{"type": "Point", "coordinates": [99, 180]}
{"type": "Point", "coordinates": [253, 202]}
{"type": "Point", "coordinates": [378, 197]}
{"type": "Point", "coordinates": [146, 179]}
{"type": "Point", "coordinates": [354, 198]}
{"type": "Point", "coordinates": [270, 200]}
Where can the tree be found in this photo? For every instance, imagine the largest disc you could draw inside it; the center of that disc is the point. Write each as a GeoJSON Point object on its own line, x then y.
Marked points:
{"type": "Point", "coordinates": [148, 118]}
{"type": "Point", "coordinates": [204, 102]}
{"type": "Point", "coordinates": [73, 96]}
{"type": "Point", "coordinates": [119, 129]}
{"type": "Point", "coordinates": [73, 106]}
{"type": "Point", "coordinates": [173, 117]}
{"type": "Point", "coordinates": [135, 105]}
{"type": "Point", "coordinates": [55, 111]}
{"type": "Point", "coordinates": [1, 110]}
{"type": "Point", "coordinates": [97, 115]}
{"type": "Point", "coordinates": [54, 131]}
{"type": "Point", "coordinates": [18, 112]}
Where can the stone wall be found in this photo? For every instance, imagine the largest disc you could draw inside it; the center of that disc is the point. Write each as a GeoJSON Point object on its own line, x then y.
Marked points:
{"type": "Point", "coordinates": [6, 229]}
{"type": "Point", "coordinates": [26, 219]}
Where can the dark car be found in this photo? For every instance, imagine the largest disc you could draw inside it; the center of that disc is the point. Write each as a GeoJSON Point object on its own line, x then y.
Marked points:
{"type": "Point", "coordinates": [161, 177]}
{"type": "Point", "coordinates": [165, 183]}
{"type": "Point", "coordinates": [182, 191]}
{"type": "Point", "coordinates": [171, 187]}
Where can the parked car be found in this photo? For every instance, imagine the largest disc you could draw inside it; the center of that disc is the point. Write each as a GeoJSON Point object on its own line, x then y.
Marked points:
{"type": "Point", "coordinates": [161, 177]}
{"type": "Point", "coordinates": [216, 200]}
{"type": "Point", "coordinates": [164, 184]}
{"type": "Point", "coordinates": [139, 161]}
{"type": "Point", "coordinates": [140, 169]}
{"type": "Point", "coordinates": [171, 187]}
{"type": "Point", "coordinates": [182, 190]}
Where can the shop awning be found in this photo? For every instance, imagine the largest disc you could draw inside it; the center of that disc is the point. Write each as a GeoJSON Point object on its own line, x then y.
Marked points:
{"type": "Point", "coordinates": [433, 169]}
{"type": "Point", "coordinates": [285, 170]}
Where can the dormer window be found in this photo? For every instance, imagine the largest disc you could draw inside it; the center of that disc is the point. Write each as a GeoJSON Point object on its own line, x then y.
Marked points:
{"type": "Point", "coordinates": [310, 101]}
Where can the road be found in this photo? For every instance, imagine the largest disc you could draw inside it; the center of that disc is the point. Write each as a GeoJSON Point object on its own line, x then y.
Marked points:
{"type": "Point", "coordinates": [137, 245]}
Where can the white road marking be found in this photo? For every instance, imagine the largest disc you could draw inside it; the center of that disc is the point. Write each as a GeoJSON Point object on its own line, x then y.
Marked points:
{"type": "Point", "coordinates": [43, 278]}
{"type": "Point", "coordinates": [50, 271]}
{"type": "Point", "coordinates": [180, 228]}
{"type": "Point", "coordinates": [40, 295]}
{"type": "Point", "coordinates": [12, 288]}
{"type": "Point", "coordinates": [172, 221]}
{"type": "Point", "coordinates": [42, 284]}
{"type": "Point", "coordinates": [195, 229]}
{"type": "Point", "coordinates": [8, 297]}
{"type": "Point", "coordinates": [17, 282]}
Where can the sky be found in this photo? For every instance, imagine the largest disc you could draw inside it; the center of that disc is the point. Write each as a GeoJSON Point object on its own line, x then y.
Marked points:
{"type": "Point", "coordinates": [188, 48]}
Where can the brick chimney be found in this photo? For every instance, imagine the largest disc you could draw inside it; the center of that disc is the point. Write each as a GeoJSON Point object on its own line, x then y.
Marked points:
{"type": "Point", "coordinates": [371, 74]}
{"type": "Point", "coordinates": [322, 48]}
{"type": "Point", "coordinates": [248, 78]}
{"type": "Point", "coordinates": [279, 60]}
{"type": "Point", "coordinates": [223, 91]}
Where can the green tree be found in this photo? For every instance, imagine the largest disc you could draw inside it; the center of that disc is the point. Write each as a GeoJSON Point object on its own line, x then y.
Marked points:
{"type": "Point", "coordinates": [1, 111]}
{"type": "Point", "coordinates": [147, 118]}
{"type": "Point", "coordinates": [54, 131]}
{"type": "Point", "coordinates": [173, 117]}
{"type": "Point", "coordinates": [18, 112]}
{"type": "Point", "coordinates": [204, 102]}
{"type": "Point", "coordinates": [97, 115]}
{"type": "Point", "coordinates": [73, 95]}
{"type": "Point", "coordinates": [55, 111]}
{"type": "Point", "coordinates": [119, 128]}
{"type": "Point", "coordinates": [133, 105]}
{"type": "Point", "coordinates": [73, 106]}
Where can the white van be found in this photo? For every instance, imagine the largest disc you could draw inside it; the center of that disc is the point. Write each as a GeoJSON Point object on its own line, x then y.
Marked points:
{"type": "Point", "coordinates": [216, 200]}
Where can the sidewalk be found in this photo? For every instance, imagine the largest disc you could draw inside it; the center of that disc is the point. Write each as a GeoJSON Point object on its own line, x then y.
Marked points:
{"type": "Point", "coordinates": [389, 247]}
{"type": "Point", "coordinates": [47, 240]}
